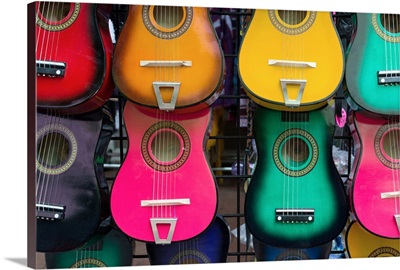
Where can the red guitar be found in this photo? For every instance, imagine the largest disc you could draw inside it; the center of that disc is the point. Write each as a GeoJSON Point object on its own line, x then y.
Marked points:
{"type": "Point", "coordinates": [165, 190]}
{"type": "Point", "coordinates": [375, 178]}
{"type": "Point", "coordinates": [73, 56]}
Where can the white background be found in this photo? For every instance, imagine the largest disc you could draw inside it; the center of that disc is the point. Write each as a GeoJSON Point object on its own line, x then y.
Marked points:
{"type": "Point", "coordinates": [13, 143]}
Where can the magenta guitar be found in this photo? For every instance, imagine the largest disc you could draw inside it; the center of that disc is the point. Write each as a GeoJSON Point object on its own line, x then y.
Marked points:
{"type": "Point", "coordinates": [375, 177]}
{"type": "Point", "coordinates": [165, 190]}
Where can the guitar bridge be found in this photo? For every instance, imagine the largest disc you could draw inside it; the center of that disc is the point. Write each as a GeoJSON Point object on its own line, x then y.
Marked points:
{"type": "Point", "coordinates": [288, 101]}
{"type": "Point", "coordinates": [155, 222]}
{"type": "Point", "coordinates": [304, 215]}
{"type": "Point", "coordinates": [50, 69]}
{"type": "Point", "coordinates": [389, 78]}
{"type": "Point", "coordinates": [50, 212]}
{"type": "Point", "coordinates": [163, 105]}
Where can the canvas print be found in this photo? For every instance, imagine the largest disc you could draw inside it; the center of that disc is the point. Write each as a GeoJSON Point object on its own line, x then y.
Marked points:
{"type": "Point", "coordinates": [200, 135]}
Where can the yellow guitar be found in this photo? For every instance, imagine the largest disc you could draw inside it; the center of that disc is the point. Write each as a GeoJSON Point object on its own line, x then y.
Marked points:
{"type": "Point", "coordinates": [168, 57]}
{"type": "Point", "coordinates": [361, 243]}
{"type": "Point", "coordinates": [291, 60]}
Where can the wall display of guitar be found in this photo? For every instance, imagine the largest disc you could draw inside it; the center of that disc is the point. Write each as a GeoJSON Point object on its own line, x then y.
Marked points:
{"type": "Point", "coordinates": [374, 181]}
{"type": "Point", "coordinates": [73, 56]}
{"type": "Point", "coordinates": [169, 57]}
{"type": "Point", "coordinates": [296, 198]}
{"type": "Point", "coordinates": [72, 197]}
{"type": "Point", "coordinates": [372, 65]}
{"type": "Point", "coordinates": [211, 246]}
{"type": "Point", "coordinates": [361, 243]}
{"type": "Point", "coordinates": [264, 252]}
{"type": "Point", "coordinates": [110, 250]}
{"type": "Point", "coordinates": [291, 60]}
{"type": "Point", "coordinates": [164, 190]}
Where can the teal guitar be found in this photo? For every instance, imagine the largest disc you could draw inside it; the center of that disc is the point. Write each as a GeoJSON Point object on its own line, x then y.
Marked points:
{"type": "Point", "coordinates": [296, 198]}
{"type": "Point", "coordinates": [372, 66]}
{"type": "Point", "coordinates": [103, 250]}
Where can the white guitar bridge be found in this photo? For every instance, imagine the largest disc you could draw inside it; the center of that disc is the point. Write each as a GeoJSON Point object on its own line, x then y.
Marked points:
{"type": "Point", "coordinates": [162, 105]}
{"type": "Point", "coordinates": [389, 195]}
{"type": "Point", "coordinates": [157, 221]}
{"type": "Point", "coordinates": [166, 202]}
{"type": "Point", "coordinates": [292, 102]}
{"type": "Point", "coordinates": [287, 63]}
{"type": "Point", "coordinates": [176, 63]}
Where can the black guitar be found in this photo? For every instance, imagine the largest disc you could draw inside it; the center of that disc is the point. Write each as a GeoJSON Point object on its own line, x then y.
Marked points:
{"type": "Point", "coordinates": [72, 197]}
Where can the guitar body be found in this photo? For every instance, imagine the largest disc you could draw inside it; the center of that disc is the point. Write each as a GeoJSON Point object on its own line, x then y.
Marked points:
{"type": "Point", "coordinates": [165, 190]}
{"type": "Point", "coordinates": [185, 35]}
{"type": "Point", "coordinates": [209, 247]}
{"type": "Point", "coordinates": [110, 250]}
{"type": "Point", "coordinates": [374, 182]}
{"type": "Point", "coordinates": [372, 64]}
{"type": "Point", "coordinates": [296, 198]}
{"type": "Point", "coordinates": [361, 243]}
{"type": "Point", "coordinates": [293, 53]}
{"type": "Point", "coordinates": [264, 252]}
{"type": "Point", "coordinates": [73, 56]}
{"type": "Point", "coordinates": [72, 199]}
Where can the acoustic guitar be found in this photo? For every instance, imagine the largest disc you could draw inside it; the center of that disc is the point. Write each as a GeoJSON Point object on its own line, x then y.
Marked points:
{"type": "Point", "coordinates": [372, 65]}
{"type": "Point", "coordinates": [264, 252]}
{"type": "Point", "coordinates": [296, 198]}
{"type": "Point", "coordinates": [211, 246]}
{"type": "Point", "coordinates": [374, 181]}
{"type": "Point", "coordinates": [169, 57]}
{"type": "Point", "coordinates": [291, 60]}
{"type": "Point", "coordinates": [72, 196]}
{"type": "Point", "coordinates": [164, 190]}
{"type": "Point", "coordinates": [361, 243]}
{"type": "Point", "coordinates": [73, 56]}
{"type": "Point", "coordinates": [110, 250]}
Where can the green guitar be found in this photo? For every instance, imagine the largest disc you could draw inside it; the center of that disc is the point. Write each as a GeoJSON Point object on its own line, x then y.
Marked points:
{"type": "Point", "coordinates": [109, 250]}
{"type": "Point", "coordinates": [372, 65]}
{"type": "Point", "coordinates": [296, 198]}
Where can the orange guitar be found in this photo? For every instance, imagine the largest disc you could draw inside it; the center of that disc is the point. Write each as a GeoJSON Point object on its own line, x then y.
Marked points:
{"type": "Point", "coordinates": [168, 57]}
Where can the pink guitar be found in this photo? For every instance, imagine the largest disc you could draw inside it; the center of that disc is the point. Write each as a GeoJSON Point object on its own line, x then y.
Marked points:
{"type": "Point", "coordinates": [164, 191]}
{"type": "Point", "coordinates": [375, 177]}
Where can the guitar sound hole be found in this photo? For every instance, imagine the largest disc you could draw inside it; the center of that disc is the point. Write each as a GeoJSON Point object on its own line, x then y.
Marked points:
{"type": "Point", "coordinates": [168, 16]}
{"type": "Point", "coordinates": [166, 146]}
{"type": "Point", "coordinates": [295, 151]}
{"type": "Point", "coordinates": [391, 22]}
{"type": "Point", "coordinates": [53, 150]}
{"type": "Point", "coordinates": [390, 144]}
{"type": "Point", "coordinates": [292, 17]}
{"type": "Point", "coordinates": [54, 11]}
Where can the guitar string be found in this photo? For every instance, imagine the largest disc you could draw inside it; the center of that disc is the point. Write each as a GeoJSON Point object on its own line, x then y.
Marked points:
{"type": "Point", "coordinates": [284, 75]}
{"type": "Point", "coordinates": [48, 138]}
{"type": "Point", "coordinates": [45, 39]}
{"type": "Point", "coordinates": [52, 194]}
{"type": "Point", "coordinates": [40, 159]}
{"type": "Point", "coordinates": [39, 32]}
{"type": "Point", "coordinates": [51, 41]}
